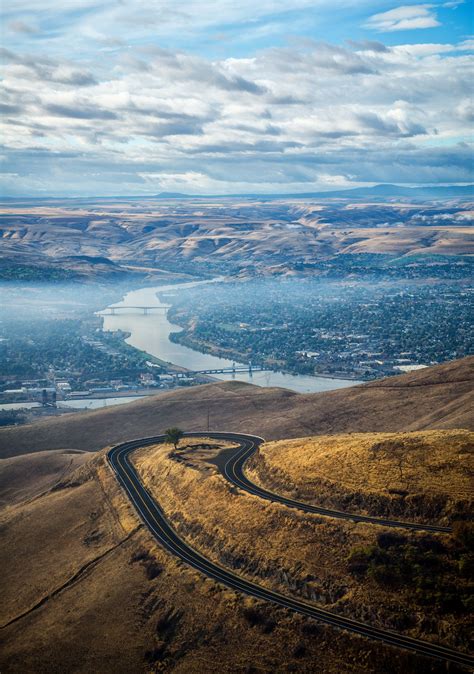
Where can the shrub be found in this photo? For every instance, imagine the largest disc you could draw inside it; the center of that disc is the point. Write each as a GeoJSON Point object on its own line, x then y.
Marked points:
{"type": "Point", "coordinates": [256, 617]}
{"type": "Point", "coordinates": [359, 559]}
{"type": "Point", "coordinates": [384, 573]}
{"type": "Point", "coordinates": [152, 569]}
{"type": "Point", "coordinates": [299, 651]}
{"type": "Point", "coordinates": [140, 556]}
{"type": "Point", "coordinates": [253, 616]}
{"type": "Point", "coordinates": [310, 629]}
{"type": "Point", "coordinates": [389, 539]}
{"type": "Point", "coordinates": [463, 534]}
{"type": "Point", "coordinates": [466, 566]}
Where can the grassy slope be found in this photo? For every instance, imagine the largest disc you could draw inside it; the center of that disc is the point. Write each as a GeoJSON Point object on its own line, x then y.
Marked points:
{"type": "Point", "coordinates": [126, 606]}
{"type": "Point", "coordinates": [438, 397]}
{"type": "Point", "coordinates": [304, 555]}
{"type": "Point", "coordinates": [26, 476]}
{"type": "Point", "coordinates": [115, 602]}
{"type": "Point", "coordinates": [420, 476]}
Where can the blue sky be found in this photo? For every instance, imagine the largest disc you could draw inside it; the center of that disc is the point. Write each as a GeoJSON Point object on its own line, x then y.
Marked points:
{"type": "Point", "coordinates": [142, 96]}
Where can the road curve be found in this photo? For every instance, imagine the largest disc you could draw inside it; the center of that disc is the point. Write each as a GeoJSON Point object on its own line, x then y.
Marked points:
{"type": "Point", "coordinates": [155, 519]}
{"type": "Point", "coordinates": [233, 471]}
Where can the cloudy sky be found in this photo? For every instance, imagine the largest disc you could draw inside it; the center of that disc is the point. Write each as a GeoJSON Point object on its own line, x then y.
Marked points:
{"type": "Point", "coordinates": [130, 97]}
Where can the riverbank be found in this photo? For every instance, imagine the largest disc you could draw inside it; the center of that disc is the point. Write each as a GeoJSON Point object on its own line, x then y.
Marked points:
{"type": "Point", "coordinates": [153, 333]}
{"type": "Point", "coordinates": [187, 340]}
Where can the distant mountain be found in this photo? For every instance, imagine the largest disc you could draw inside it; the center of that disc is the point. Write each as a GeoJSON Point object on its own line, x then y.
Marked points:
{"type": "Point", "coordinates": [377, 191]}
{"type": "Point", "coordinates": [99, 237]}
{"type": "Point", "coordinates": [396, 191]}
{"type": "Point", "coordinates": [172, 195]}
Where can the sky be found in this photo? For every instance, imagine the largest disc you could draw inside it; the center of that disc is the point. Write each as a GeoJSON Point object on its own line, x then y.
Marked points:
{"type": "Point", "coordinates": [139, 97]}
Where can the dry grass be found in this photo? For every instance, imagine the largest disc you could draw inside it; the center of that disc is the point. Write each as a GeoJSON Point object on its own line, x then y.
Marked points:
{"type": "Point", "coordinates": [137, 609]}
{"type": "Point", "coordinates": [423, 469]}
{"type": "Point", "coordinates": [287, 550]}
{"type": "Point", "coordinates": [215, 231]}
{"type": "Point", "coordinates": [116, 602]}
{"type": "Point", "coordinates": [25, 477]}
{"type": "Point", "coordinates": [46, 541]}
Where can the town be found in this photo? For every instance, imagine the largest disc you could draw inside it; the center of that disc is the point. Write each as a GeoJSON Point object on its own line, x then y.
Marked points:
{"type": "Point", "coordinates": [362, 330]}
{"type": "Point", "coordinates": [56, 361]}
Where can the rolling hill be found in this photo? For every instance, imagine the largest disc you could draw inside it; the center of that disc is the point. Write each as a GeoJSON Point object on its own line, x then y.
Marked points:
{"type": "Point", "coordinates": [436, 397]}
{"type": "Point", "coordinates": [27, 476]}
{"type": "Point", "coordinates": [419, 476]}
{"type": "Point", "coordinates": [85, 588]}
{"type": "Point", "coordinates": [96, 238]}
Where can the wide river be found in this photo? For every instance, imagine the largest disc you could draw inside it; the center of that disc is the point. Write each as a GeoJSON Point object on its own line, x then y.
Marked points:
{"type": "Point", "coordinates": [151, 333]}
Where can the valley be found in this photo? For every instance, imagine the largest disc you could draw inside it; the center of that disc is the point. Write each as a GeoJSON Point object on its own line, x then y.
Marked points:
{"type": "Point", "coordinates": [108, 570]}
{"type": "Point", "coordinates": [150, 238]}
{"type": "Point", "coordinates": [352, 289]}
{"type": "Point", "coordinates": [236, 337]}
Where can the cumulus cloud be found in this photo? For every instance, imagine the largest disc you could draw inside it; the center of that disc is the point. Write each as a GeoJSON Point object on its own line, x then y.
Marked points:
{"type": "Point", "coordinates": [295, 116]}
{"type": "Point", "coordinates": [406, 17]}
{"type": "Point", "coordinates": [46, 69]}
{"type": "Point", "coordinates": [79, 111]}
{"type": "Point", "coordinates": [368, 45]}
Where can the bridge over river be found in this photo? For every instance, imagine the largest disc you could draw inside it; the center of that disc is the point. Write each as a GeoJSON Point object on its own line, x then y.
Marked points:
{"type": "Point", "coordinates": [125, 308]}
{"type": "Point", "coordinates": [225, 370]}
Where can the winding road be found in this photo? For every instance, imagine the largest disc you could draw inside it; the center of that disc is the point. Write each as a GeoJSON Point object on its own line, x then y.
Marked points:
{"type": "Point", "coordinates": [155, 519]}
{"type": "Point", "coordinates": [233, 470]}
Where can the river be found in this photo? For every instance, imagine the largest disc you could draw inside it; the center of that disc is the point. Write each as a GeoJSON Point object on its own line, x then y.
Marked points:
{"type": "Point", "coordinates": [150, 333]}
{"type": "Point", "coordinates": [80, 404]}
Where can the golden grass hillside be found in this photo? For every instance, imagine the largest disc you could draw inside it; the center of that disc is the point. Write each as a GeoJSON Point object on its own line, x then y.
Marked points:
{"type": "Point", "coordinates": [437, 397]}
{"type": "Point", "coordinates": [420, 476]}
{"type": "Point", "coordinates": [400, 581]}
{"type": "Point", "coordinates": [26, 476]}
{"type": "Point", "coordinates": [86, 589]}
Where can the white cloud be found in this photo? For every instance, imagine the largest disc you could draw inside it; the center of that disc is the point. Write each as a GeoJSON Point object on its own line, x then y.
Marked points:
{"type": "Point", "coordinates": [143, 118]}
{"type": "Point", "coordinates": [200, 183]}
{"type": "Point", "coordinates": [406, 17]}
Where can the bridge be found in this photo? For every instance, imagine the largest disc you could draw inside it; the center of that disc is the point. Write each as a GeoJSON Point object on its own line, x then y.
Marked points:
{"type": "Point", "coordinates": [225, 370]}
{"type": "Point", "coordinates": [123, 308]}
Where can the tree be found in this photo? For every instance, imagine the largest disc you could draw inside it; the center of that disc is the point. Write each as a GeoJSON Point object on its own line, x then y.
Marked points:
{"type": "Point", "coordinates": [173, 436]}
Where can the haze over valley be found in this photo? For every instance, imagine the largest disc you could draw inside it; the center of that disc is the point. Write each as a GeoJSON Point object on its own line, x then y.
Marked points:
{"type": "Point", "coordinates": [236, 337]}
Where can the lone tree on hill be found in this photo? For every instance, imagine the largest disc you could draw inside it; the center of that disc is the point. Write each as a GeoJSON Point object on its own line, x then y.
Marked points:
{"type": "Point", "coordinates": [173, 436]}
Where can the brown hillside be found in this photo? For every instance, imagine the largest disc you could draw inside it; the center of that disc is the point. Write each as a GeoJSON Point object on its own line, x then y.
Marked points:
{"type": "Point", "coordinates": [437, 397]}
{"type": "Point", "coordinates": [26, 476]}
{"type": "Point", "coordinates": [305, 554]}
{"type": "Point", "coordinates": [419, 476]}
{"type": "Point", "coordinates": [85, 589]}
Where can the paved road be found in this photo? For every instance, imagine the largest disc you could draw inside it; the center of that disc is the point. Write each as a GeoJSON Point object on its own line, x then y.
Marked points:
{"type": "Point", "coordinates": [233, 470]}
{"type": "Point", "coordinates": [154, 518]}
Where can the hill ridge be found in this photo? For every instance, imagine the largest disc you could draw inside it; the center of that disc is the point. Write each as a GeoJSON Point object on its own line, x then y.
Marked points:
{"type": "Point", "coordinates": [388, 405]}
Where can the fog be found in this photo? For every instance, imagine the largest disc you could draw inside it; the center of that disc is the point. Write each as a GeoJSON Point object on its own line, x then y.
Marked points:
{"type": "Point", "coordinates": [342, 329]}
